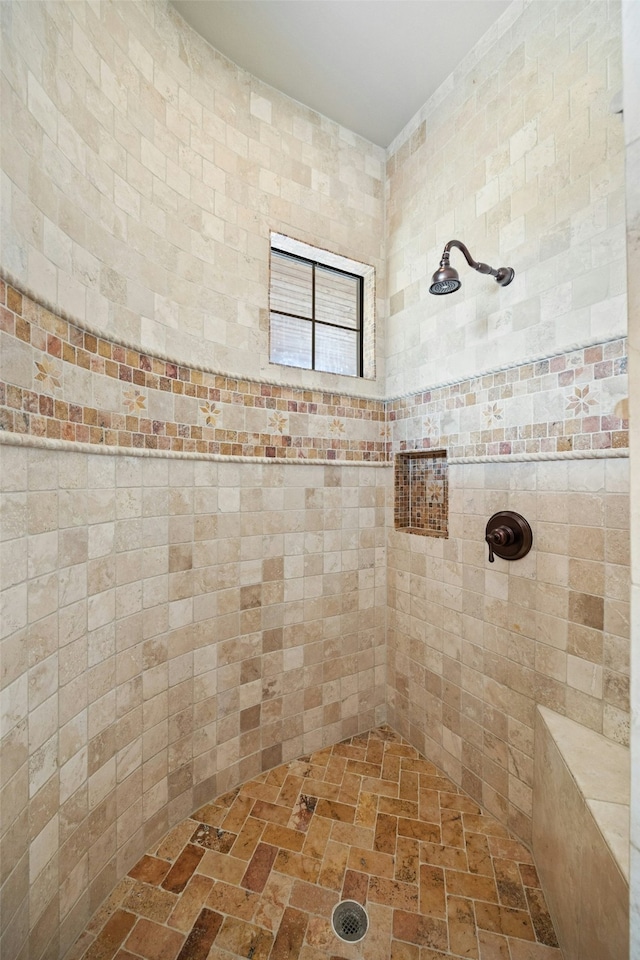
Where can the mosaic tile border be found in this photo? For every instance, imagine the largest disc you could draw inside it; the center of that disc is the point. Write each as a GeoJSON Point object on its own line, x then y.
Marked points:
{"type": "Point", "coordinates": [62, 384]}
{"type": "Point", "coordinates": [71, 385]}
{"type": "Point", "coordinates": [574, 403]}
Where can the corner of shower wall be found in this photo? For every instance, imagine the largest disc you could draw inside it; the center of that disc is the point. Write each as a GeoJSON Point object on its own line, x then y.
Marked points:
{"type": "Point", "coordinates": [526, 388]}
{"type": "Point", "coordinates": [194, 554]}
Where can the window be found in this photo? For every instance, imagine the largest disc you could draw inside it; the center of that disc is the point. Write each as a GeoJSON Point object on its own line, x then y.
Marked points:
{"type": "Point", "coordinates": [318, 309]}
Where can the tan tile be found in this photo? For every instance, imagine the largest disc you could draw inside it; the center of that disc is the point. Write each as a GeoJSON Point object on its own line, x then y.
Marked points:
{"type": "Point", "coordinates": [222, 866]}
{"type": "Point", "coordinates": [478, 854]}
{"type": "Point", "coordinates": [150, 870]}
{"type": "Point", "coordinates": [153, 941]}
{"type": "Point", "coordinates": [248, 838]}
{"type": "Point", "coordinates": [372, 862]}
{"type": "Point", "coordinates": [290, 936]}
{"type": "Point", "coordinates": [260, 791]}
{"type": "Point", "coordinates": [183, 868]}
{"type": "Point", "coordinates": [289, 790]}
{"type": "Point", "coordinates": [114, 932]}
{"type": "Point", "coordinates": [334, 865]}
{"type": "Point", "coordinates": [364, 769]}
{"type": "Point", "coordinates": [151, 902]}
{"type": "Point", "coordinates": [509, 850]}
{"type": "Point", "coordinates": [425, 931]}
{"type": "Point", "coordinates": [190, 903]}
{"type": "Point", "coordinates": [394, 893]}
{"type": "Point", "coordinates": [366, 809]}
{"type": "Point", "coordinates": [333, 810]}
{"type": "Point", "coordinates": [542, 923]}
{"type": "Point", "coordinates": [443, 856]}
{"type": "Point", "coordinates": [297, 865]}
{"type": "Point", "coordinates": [259, 867]}
{"type": "Point", "coordinates": [201, 936]}
{"type": "Point", "coordinates": [432, 891]}
{"type": "Point", "coordinates": [285, 837]}
{"type": "Point", "coordinates": [462, 927]}
{"type": "Point", "coordinates": [429, 832]}
{"type": "Point", "coordinates": [320, 788]}
{"type": "Point", "coordinates": [320, 935]}
{"type": "Point", "coordinates": [407, 889]}
{"type": "Point", "coordinates": [484, 824]}
{"type": "Point", "coordinates": [244, 939]}
{"type": "Point", "coordinates": [352, 835]}
{"type": "Point", "coordinates": [510, 890]}
{"type": "Point", "coordinates": [493, 946]}
{"type": "Point", "coordinates": [273, 900]}
{"type": "Point", "coordinates": [314, 899]}
{"type": "Point", "coordinates": [262, 810]}
{"type": "Point", "coordinates": [409, 786]}
{"type": "Point", "coordinates": [236, 901]}
{"type": "Point", "coordinates": [452, 831]}
{"type": "Point", "coordinates": [391, 768]}
{"type": "Point", "coordinates": [350, 789]}
{"type": "Point", "coordinates": [316, 838]}
{"type": "Point", "coordinates": [111, 904]}
{"type": "Point", "coordinates": [236, 815]}
{"type": "Point", "coordinates": [470, 885]}
{"type": "Point", "coordinates": [355, 886]}
{"type": "Point", "coordinates": [404, 951]}
{"type": "Point", "coordinates": [529, 875]}
{"type": "Point", "coordinates": [334, 771]}
{"type": "Point", "coordinates": [524, 950]}
{"type": "Point", "coordinates": [398, 807]}
{"type": "Point", "coordinates": [511, 923]}
{"type": "Point", "coordinates": [382, 788]}
{"type": "Point", "coordinates": [407, 861]}
{"type": "Point", "coordinates": [213, 838]}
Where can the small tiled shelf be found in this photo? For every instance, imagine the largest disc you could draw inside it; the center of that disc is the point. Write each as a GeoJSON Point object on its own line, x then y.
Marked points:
{"type": "Point", "coordinates": [421, 493]}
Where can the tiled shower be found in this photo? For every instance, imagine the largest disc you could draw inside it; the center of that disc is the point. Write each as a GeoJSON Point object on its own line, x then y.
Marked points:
{"type": "Point", "coordinates": [202, 576]}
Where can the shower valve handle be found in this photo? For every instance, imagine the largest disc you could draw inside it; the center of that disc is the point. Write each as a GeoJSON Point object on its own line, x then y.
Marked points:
{"type": "Point", "coordinates": [508, 535]}
{"type": "Point", "coordinates": [499, 537]}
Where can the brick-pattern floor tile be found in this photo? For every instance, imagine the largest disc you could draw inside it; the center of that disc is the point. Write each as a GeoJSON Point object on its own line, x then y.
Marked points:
{"type": "Point", "coordinates": [154, 941]}
{"type": "Point", "coordinates": [258, 871]}
{"type": "Point", "coordinates": [201, 937]}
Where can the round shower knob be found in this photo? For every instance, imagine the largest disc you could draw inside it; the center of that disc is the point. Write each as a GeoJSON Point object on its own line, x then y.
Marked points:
{"type": "Point", "coordinates": [508, 535]}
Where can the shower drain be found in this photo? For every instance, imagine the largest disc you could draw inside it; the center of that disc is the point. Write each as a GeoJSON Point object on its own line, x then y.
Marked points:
{"type": "Point", "coordinates": [350, 921]}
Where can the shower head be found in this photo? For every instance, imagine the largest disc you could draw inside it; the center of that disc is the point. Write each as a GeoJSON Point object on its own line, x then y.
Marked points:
{"type": "Point", "coordinates": [446, 279]}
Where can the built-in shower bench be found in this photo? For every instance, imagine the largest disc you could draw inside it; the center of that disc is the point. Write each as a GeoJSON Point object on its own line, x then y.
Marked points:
{"type": "Point", "coordinates": [581, 836]}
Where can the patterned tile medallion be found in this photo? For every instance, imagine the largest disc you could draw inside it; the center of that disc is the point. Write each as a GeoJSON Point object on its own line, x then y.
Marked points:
{"type": "Point", "coordinates": [257, 872]}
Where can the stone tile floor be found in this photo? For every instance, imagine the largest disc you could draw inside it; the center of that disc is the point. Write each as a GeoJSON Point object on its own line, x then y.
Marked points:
{"type": "Point", "coordinates": [257, 872]}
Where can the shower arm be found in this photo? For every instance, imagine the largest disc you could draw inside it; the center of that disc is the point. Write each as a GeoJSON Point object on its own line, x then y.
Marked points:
{"type": "Point", "coordinates": [500, 274]}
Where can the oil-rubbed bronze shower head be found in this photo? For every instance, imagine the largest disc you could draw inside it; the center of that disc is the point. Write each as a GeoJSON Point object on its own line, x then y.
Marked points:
{"type": "Point", "coordinates": [446, 279]}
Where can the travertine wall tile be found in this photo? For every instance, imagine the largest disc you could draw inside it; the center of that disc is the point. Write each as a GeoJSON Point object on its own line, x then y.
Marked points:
{"type": "Point", "coordinates": [181, 165]}
{"type": "Point", "coordinates": [171, 627]}
{"type": "Point", "coordinates": [519, 157]}
{"type": "Point", "coordinates": [491, 644]}
{"type": "Point", "coordinates": [165, 661]}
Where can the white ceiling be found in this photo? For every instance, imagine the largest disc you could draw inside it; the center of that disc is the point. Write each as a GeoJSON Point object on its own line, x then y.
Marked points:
{"type": "Point", "coordinates": [367, 64]}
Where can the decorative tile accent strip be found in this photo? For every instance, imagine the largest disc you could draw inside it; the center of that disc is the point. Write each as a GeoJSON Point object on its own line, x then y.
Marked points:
{"type": "Point", "coordinates": [62, 382]}
{"type": "Point", "coordinates": [567, 403]}
{"type": "Point", "coordinates": [421, 493]}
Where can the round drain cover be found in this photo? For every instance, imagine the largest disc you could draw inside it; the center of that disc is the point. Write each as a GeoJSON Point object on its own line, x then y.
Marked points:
{"type": "Point", "coordinates": [350, 921]}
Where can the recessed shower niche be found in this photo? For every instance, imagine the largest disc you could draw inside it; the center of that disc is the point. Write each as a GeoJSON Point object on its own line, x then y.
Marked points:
{"type": "Point", "coordinates": [421, 493]}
